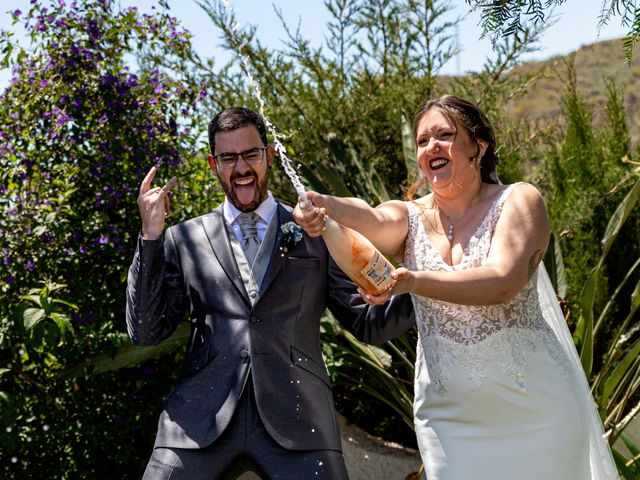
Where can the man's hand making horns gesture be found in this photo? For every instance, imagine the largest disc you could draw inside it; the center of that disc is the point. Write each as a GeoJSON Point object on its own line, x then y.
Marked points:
{"type": "Point", "coordinates": [154, 205]}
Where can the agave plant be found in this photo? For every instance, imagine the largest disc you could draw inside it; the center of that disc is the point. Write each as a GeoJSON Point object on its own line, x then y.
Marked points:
{"type": "Point", "coordinates": [619, 377]}
{"type": "Point", "coordinates": [616, 382]}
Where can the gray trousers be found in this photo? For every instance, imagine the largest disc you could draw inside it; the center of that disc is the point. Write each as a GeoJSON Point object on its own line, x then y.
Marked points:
{"type": "Point", "coordinates": [245, 446]}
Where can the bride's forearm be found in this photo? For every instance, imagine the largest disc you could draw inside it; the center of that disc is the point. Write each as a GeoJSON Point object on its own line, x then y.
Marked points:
{"type": "Point", "coordinates": [477, 286]}
{"type": "Point", "coordinates": [353, 213]}
{"type": "Point", "coordinates": [385, 226]}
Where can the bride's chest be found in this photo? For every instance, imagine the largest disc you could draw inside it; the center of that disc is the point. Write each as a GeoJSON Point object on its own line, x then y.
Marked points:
{"type": "Point", "coordinates": [433, 252]}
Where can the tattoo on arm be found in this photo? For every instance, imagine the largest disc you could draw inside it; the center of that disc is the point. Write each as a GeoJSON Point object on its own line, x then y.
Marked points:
{"type": "Point", "coordinates": [534, 261]}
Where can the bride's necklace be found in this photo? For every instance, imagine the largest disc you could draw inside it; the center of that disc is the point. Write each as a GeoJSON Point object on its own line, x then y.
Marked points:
{"type": "Point", "coordinates": [452, 224]}
{"type": "Point", "coordinates": [451, 232]}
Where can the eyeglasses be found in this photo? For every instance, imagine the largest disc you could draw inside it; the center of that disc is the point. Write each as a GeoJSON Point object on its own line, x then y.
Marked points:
{"type": "Point", "coordinates": [253, 156]}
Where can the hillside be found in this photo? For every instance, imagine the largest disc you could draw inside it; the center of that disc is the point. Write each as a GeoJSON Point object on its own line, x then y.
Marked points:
{"type": "Point", "coordinates": [594, 64]}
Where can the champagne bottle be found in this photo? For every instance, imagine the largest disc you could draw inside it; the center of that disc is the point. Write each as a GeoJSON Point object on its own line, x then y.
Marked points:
{"type": "Point", "coordinates": [358, 258]}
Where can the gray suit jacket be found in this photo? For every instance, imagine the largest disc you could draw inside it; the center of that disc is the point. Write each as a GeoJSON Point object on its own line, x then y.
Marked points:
{"type": "Point", "coordinates": [278, 338]}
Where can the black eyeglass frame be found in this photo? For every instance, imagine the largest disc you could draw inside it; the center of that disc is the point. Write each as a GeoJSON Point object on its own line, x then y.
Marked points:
{"type": "Point", "coordinates": [231, 164]}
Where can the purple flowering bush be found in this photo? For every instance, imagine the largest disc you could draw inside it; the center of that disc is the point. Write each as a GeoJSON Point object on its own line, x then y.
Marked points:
{"type": "Point", "coordinates": [80, 125]}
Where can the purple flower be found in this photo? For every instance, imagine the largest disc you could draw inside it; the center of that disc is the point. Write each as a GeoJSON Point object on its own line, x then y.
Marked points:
{"type": "Point", "coordinates": [63, 119]}
{"type": "Point", "coordinates": [132, 81]}
{"type": "Point", "coordinates": [17, 13]}
{"type": "Point", "coordinates": [44, 82]}
{"type": "Point", "coordinates": [6, 261]}
{"type": "Point", "coordinates": [10, 279]}
{"type": "Point", "coordinates": [94, 30]}
{"type": "Point", "coordinates": [30, 265]}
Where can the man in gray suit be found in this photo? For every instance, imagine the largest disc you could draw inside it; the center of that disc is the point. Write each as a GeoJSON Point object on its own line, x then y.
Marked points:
{"type": "Point", "coordinates": [253, 387]}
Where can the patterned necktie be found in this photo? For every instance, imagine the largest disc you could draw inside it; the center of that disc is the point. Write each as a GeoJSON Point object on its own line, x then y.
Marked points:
{"type": "Point", "coordinates": [250, 240]}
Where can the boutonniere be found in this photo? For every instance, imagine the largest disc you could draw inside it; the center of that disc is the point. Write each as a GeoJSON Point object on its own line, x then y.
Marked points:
{"type": "Point", "coordinates": [292, 234]}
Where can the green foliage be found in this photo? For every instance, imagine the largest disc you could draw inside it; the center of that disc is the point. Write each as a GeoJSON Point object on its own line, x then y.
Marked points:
{"type": "Point", "coordinates": [344, 102]}
{"type": "Point", "coordinates": [507, 18]}
{"type": "Point", "coordinates": [80, 126]}
{"type": "Point", "coordinates": [630, 17]}
{"type": "Point", "coordinates": [619, 375]}
{"type": "Point", "coordinates": [129, 355]}
{"type": "Point", "coordinates": [629, 468]}
{"type": "Point", "coordinates": [373, 382]}
{"type": "Point", "coordinates": [584, 169]}
{"type": "Point", "coordinates": [40, 306]}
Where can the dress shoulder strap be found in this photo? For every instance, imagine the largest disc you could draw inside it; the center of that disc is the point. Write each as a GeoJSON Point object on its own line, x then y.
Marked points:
{"type": "Point", "coordinates": [415, 209]}
{"type": "Point", "coordinates": [498, 203]}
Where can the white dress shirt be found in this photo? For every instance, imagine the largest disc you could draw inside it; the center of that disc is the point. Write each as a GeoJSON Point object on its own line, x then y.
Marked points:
{"type": "Point", "coordinates": [265, 212]}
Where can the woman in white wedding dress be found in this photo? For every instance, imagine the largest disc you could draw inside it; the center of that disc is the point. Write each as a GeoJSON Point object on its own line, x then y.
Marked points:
{"type": "Point", "coordinates": [499, 391]}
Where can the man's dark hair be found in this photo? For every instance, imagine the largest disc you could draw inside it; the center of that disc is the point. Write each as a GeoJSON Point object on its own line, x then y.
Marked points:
{"type": "Point", "coordinates": [232, 119]}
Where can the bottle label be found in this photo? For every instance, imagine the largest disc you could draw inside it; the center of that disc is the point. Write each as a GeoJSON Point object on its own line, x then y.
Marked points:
{"type": "Point", "coordinates": [378, 270]}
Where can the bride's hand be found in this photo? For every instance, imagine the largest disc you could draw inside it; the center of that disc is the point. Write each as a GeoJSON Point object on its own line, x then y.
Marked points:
{"type": "Point", "coordinates": [403, 282]}
{"type": "Point", "coordinates": [312, 218]}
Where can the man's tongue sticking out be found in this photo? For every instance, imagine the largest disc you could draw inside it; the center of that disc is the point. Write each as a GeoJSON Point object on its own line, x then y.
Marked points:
{"type": "Point", "coordinates": [245, 189]}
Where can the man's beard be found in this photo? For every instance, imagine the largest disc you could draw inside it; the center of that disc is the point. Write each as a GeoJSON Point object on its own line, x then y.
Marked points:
{"type": "Point", "coordinates": [261, 191]}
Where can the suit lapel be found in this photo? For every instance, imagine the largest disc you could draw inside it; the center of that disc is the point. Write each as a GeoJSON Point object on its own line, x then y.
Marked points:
{"type": "Point", "coordinates": [216, 231]}
{"type": "Point", "coordinates": [278, 257]}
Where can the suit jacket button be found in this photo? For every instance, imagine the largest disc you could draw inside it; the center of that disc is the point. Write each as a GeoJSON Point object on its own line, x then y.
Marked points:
{"type": "Point", "coordinates": [244, 353]}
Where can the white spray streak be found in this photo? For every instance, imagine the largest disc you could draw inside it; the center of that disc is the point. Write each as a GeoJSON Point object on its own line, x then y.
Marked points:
{"type": "Point", "coordinates": [280, 149]}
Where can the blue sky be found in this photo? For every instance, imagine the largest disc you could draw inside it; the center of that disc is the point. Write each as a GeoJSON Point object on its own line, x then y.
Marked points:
{"type": "Point", "coordinates": [576, 26]}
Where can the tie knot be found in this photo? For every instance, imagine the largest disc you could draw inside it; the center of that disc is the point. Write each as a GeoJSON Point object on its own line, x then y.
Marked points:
{"type": "Point", "coordinates": [247, 222]}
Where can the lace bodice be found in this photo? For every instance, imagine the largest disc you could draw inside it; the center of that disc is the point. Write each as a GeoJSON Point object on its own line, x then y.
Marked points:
{"type": "Point", "coordinates": [474, 336]}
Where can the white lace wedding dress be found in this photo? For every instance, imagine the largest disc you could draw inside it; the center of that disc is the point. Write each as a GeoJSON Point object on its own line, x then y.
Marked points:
{"type": "Point", "coordinates": [496, 395]}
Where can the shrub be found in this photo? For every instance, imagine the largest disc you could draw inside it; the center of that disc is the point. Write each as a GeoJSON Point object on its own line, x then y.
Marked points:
{"type": "Point", "coordinates": [79, 127]}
